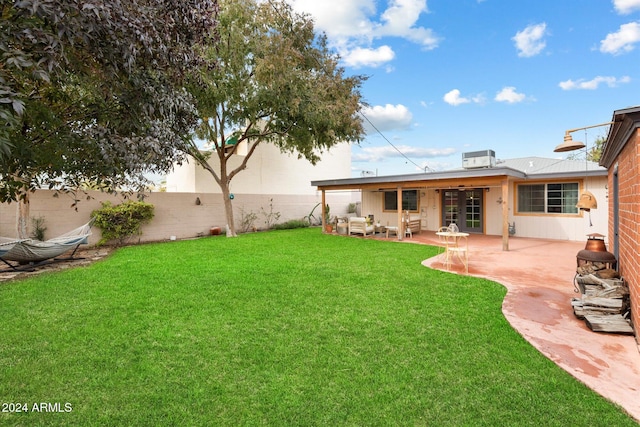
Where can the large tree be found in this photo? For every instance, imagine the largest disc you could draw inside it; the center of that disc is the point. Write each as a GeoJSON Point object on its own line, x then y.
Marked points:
{"type": "Point", "coordinates": [275, 81]}
{"type": "Point", "coordinates": [91, 92]}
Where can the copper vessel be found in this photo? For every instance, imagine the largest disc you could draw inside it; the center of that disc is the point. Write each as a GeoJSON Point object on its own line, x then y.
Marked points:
{"type": "Point", "coordinates": [596, 251]}
{"type": "Point", "coordinates": [595, 242]}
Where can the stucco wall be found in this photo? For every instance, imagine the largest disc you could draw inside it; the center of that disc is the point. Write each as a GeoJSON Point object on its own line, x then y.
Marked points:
{"type": "Point", "coordinates": [176, 214]}
{"type": "Point", "coordinates": [268, 172]}
{"type": "Point", "coordinates": [628, 166]}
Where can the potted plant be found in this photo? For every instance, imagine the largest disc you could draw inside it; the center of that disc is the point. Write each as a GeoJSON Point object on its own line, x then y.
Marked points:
{"type": "Point", "coordinates": [327, 219]}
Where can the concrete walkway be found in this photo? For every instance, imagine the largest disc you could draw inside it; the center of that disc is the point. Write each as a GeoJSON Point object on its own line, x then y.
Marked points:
{"type": "Point", "coordinates": [538, 275]}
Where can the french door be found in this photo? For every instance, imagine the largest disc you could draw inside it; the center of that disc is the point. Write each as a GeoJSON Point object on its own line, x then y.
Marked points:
{"type": "Point", "coordinates": [464, 207]}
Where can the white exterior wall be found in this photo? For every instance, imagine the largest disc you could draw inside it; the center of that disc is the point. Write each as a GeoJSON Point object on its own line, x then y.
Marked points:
{"type": "Point", "coordinates": [373, 203]}
{"type": "Point", "coordinates": [268, 171]}
{"type": "Point", "coordinates": [573, 227]}
{"type": "Point", "coordinates": [562, 227]}
{"type": "Point", "coordinates": [493, 211]}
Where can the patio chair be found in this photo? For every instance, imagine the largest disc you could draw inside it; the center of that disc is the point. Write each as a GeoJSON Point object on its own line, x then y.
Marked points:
{"type": "Point", "coordinates": [442, 239]}
{"type": "Point", "coordinates": [458, 248]}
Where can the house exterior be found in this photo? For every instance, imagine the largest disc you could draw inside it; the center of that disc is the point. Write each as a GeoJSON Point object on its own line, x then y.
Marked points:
{"type": "Point", "coordinates": [271, 177]}
{"type": "Point", "coordinates": [533, 197]}
{"type": "Point", "coordinates": [621, 156]}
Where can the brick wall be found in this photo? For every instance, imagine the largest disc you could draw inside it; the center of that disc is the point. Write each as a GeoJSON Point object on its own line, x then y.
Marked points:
{"type": "Point", "coordinates": [628, 163]}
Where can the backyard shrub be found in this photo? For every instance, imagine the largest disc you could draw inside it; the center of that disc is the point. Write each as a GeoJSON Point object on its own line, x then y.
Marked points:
{"type": "Point", "coordinates": [291, 224]}
{"type": "Point", "coordinates": [38, 228]}
{"type": "Point", "coordinates": [120, 222]}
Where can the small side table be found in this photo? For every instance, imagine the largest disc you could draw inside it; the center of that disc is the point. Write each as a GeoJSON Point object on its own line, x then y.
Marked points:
{"type": "Point", "coordinates": [391, 229]}
{"type": "Point", "coordinates": [379, 229]}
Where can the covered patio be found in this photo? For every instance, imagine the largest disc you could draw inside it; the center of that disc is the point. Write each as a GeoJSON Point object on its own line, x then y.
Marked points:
{"type": "Point", "coordinates": [487, 198]}
{"type": "Point", "coordinates": [499, 179]}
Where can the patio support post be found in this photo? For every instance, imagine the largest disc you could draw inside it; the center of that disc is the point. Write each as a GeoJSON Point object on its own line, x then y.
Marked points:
{"type": "Point", "coordinates": [400, 225]}
{"type": "Point", "coordinates": [505, 215]}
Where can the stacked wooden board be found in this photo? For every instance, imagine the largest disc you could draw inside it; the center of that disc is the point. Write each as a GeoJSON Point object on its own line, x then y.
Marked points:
{"type": "Point", "coordinates": [604, 302]}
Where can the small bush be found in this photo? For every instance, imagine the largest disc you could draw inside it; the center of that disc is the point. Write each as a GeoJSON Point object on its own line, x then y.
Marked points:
{"type": "Point", "coordinates": [121, 222]}
{"type": "Point", "coordinates": [247, 220]}
{"type": "Point", "coordinates": [291, 224]}
{"type": "Point", "coordinates": [38, 228]}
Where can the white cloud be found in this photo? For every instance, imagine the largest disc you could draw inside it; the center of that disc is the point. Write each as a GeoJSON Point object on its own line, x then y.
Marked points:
{"type": "Point", "coordinates": [593, 83]}
{"type": "Point", "coordinates": [375, 154]}
{"type": "Point", "coordinates": [508, 94]}
{"type": "Point", "coordinates": [625, 7]}
{"type": "Point", "coordinates": [387, 117]}
{"type": "Point", "coordinates": [352, 26]}
{"type": "Point", "coordinates": [339, 18]}
{"type": "Point", "coordinates": [400, 18]}
{"type": "Point", "coordinates": [530, 41]}
{"type": "Point", "coordinates": [453, 97]}
{"type": "Point", "coordinates": [359, 57]}
{"type": "Point", "coordinates": [623, 40]}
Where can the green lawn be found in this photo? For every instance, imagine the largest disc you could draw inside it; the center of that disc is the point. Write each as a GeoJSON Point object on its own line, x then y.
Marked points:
{"type": "Point", "coordinates": [276, 328]}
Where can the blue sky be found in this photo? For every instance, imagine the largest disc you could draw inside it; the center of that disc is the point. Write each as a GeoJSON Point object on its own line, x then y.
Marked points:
{"type": "Point", "coordinates": [454, 76]}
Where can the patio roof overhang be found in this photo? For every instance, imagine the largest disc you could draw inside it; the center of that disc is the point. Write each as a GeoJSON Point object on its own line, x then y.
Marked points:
{"type": "Point", "coordinates": [486, 177]}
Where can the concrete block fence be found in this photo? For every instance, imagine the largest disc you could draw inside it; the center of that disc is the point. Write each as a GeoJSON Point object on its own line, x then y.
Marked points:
{"type": "Point", "coordinates": [181, 215]}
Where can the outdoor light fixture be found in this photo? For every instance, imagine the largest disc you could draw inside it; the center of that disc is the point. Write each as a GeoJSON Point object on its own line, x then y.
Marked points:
{"type": "Point", "coordinates": [587, 200]}
{"type": "Point", "coordinates": [569, 144]}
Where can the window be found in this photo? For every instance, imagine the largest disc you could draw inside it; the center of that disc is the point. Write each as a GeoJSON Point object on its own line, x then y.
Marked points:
{"type": "Point", "coordinates": [409, 200]}
{"type": "Point", "coordinates": [556, 198]}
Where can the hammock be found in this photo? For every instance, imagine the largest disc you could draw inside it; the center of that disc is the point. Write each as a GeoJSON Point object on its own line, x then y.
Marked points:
{"type": "Point", "coordinates": [29, 250]}
{"type": "Point", "coordinates": [6, 244]}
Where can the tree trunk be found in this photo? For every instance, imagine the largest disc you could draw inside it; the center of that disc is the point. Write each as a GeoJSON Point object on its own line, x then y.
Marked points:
{"type": "Point", "coordinates": [22, 223]}
{"type": "Point", "coordinates": [228, 209]}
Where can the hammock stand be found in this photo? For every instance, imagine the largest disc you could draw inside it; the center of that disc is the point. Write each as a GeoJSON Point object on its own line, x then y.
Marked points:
{"type": "Point", "coordinates": [29, 253]}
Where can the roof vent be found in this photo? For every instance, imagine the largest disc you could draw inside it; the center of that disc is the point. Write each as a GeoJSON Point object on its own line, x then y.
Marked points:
{"type": "Point", "coordinates": [479, 159]}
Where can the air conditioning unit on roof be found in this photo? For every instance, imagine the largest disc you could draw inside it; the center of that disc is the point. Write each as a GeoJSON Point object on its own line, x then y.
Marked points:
{"type": "Point", "coordinates": [479, 159]}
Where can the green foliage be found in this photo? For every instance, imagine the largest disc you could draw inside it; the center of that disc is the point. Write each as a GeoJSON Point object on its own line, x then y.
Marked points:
{"type": "Point", "coordinates": [93, 91]}
{"type": "Point", "coordinates": [121, 222]}
{"type": "Point", "coordinates": [311, 218]}
{"type": "Point", "coordinates": [593, 154]}
{"type": "Point", "coordinates": [291, 224]}
{"type": "Point", "coordinates": [39, 229]}
{"type": "Point", "coordinates": [280, 84]}
{"type": "Point", "coordinates": [247, 220]}
{"type": "Point", "coordinates": [270, 217]}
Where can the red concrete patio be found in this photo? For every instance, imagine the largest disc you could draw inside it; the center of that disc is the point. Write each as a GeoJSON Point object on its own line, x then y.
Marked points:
{"type": "Point", "coordinates": [538, 275]}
